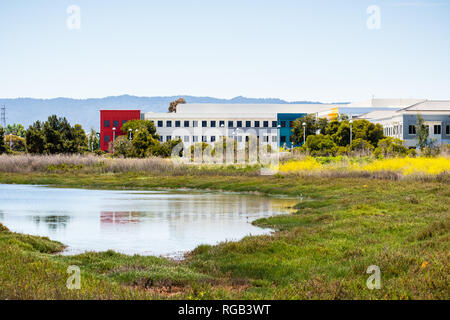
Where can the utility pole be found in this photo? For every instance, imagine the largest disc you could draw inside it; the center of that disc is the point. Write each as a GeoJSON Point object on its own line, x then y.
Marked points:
{"type": "Point", "coordinates": [3, 116]}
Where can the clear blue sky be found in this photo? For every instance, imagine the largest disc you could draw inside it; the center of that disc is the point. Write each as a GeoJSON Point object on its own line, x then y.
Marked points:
{"type": "Point", "coordinates": [294, 50]}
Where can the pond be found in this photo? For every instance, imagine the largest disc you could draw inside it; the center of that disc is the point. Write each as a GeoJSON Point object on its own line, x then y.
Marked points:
{"type": "Point", "coordinates": [165, 223]}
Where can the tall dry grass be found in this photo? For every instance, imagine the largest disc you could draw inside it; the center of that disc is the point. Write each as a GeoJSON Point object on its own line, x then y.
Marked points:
{"type": "Point", "coordinates": [91, 163]}
{"type": "Point", "coordinates": [100, 164]}
{"type": "Point", "coordinates": [301, 166]}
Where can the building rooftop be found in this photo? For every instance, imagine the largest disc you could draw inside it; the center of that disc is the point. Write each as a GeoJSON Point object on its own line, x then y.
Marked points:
{"type": "Point", "coordinates": [238, 108]}
{"type": "Point", "coordinates": [429, 105]}
{"type": "Point", "coordinates": [385, 103]}
{"type": "Point", "coordinates": [209, 115]}
{"type": "Point", "coordinates": [378, 114]}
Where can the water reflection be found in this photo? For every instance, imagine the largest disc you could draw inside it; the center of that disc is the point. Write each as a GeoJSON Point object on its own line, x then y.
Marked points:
{"type": "Point", "coordinates": [110, 217]}
{"type": "Point", "coordinates": [52, 222]}
{"type": "Point", "coordinates": [134, 222]}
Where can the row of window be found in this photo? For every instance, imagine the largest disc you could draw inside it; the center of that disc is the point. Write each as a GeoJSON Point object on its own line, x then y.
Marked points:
{"type": "Point", "coordinates": [107, 123]}
{"type": "Point", "coordinates": [221, 123]}
{"type": "Point", "coordinates": [437, 129]}
{"type": "Point", "coordinates": [393, 131]}
{"type": "Point", "coordinates": [195, 139]}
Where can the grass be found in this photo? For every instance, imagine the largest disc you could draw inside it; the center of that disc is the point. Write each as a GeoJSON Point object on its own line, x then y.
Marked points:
{"type": "Point", "coordinates": [419, 167]}
{"type": "Point", "coordinates": [341, 227]}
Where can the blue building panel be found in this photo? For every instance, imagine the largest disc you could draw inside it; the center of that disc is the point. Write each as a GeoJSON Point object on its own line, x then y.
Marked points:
{"type": "Point", "coordinates": [411, 120]}
{"type": "Point", "coordinates": [284, 123]}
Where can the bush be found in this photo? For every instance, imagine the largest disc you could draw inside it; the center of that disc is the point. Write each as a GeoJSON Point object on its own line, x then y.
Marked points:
{"type": "Point", "coordinates": [3, 228]}
{"type": "Point", "coordinates": [340, 151]}
{"type": "Point", "coordinates": [431, 151]}
{"type": "Point", "coordinates": [123, 147]}
{"type": "Point", "coordinates": [412, 153]}
{"type": "Point", "coordinates": [361, 145]}
{"type": "Point", "coordinates": [320, 144]}
{"type": "Point", "coordinates": [390, 147]}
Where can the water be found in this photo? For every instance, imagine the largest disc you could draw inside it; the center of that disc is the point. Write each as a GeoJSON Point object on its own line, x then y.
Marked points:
{"type": "Point", "coordinates": [134, 222]}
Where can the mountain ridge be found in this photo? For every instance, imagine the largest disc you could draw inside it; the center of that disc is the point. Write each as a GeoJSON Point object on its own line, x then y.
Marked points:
{"type": "Point", "coordinates": [26, 110]}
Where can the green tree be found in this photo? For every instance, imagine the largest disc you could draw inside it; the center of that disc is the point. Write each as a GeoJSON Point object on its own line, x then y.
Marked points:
{"type": "Point", "coordinates": [53, 135]}
{"type": "Point", "coordinates": [134, 126]}
{"type": "Point", "coordinates": [361, 145]}
{"type": "Point", "coordinates": [3, 148]}
{"type": "Point", "coordinates": [56, 135]}
{"type": "Point", "coordinates": [93, 142]}
{"type": "Point", "coordinates": [80, 138]}
{"type": "Point", "coordinates": [332, 127]}
{"type": "Point", "coordinates": [319, 144]}
{"type": "Point", "coordinates": [322, 125]}
{"type": "Point", "coordinates": [390, 147]}
{"type": "Point", "coordinates": [16, 129]}
{"type": "Point", "coordinates": [123, 147]}
{"type": "Point", "coordinates": [310, 128]}
{"type": "Point", "coordinates": [35, 139]}
{"type": "Point", "coordinates": [342, 135]}
{"type": "Point", "coordinates": [165, 149]}
{"type": "Point", "coordinates": [15, 143]}
{"type": "Point", "coordinates": [422, 133]}
{"type": "Point", "coordinates": [144, 143]}
{"type": "Point", "coordinates": [366, 130]}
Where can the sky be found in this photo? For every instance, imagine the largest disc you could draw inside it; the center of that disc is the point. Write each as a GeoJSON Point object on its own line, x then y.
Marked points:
{"type": "Point", "coordinates": [318, 50]}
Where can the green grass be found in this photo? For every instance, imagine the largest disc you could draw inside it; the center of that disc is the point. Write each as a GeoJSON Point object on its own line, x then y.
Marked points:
{"type": "Point", "coordinates": [322, 251]}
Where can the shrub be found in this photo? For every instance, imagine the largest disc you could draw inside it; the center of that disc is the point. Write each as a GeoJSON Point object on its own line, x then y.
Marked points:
{"type": "Point", "coordinates": [340, 151]}
{"type": "Point", "coordinates": [123, 147]}
{"type": "Point", "coordinates": [320, 144]}
{"type": "Point", "coordinates": [412, 153]}
{"type": "Point", "coordinates": [390, 147]}
{"type": "Point", "coordinates": [3, 228]}
{"type": "Point", "coordinates": [361, 145]}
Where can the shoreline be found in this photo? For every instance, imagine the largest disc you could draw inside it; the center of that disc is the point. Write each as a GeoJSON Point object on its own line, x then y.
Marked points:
{"type": "Point", "coordinates": [321, 251]}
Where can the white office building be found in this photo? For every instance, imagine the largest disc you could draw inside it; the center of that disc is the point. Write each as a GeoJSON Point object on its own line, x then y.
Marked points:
{"type": "Point", "coordinates": [401, 122]}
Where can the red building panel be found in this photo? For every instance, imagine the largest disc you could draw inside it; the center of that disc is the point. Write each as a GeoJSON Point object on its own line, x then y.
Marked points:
{"type": "Point", "coordinates": [110, 119]}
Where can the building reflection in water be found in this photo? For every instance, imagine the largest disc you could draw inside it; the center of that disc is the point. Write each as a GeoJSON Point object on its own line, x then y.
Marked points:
{"type": "Point", "coordinates": [119, 217]}
{"type": "Point", "coordinates": [204, 209]}
{"type": "Point", "coordinates": [53, 222]}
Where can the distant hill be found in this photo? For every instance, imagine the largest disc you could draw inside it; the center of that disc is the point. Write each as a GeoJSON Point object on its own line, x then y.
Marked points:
{"type": "Point", "coordinates": [86, 111]}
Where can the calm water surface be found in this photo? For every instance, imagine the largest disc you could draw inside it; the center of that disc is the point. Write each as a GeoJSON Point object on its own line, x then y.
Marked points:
{"type": "Point", "coordinates": [142, 222]}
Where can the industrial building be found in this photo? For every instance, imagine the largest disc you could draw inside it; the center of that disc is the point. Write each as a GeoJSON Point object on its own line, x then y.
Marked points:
{"type": "Point", "coordinates": [272, 123]}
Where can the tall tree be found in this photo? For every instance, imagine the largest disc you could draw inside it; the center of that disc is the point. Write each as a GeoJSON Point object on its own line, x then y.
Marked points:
{"type": "Point", "coordinates": [366, 130]}
{"type": "Point", "coordinates": [173, 105]}
{"type": "Point", "coordinates": [310, 128]}
{"type": "Point", "coordinates": [16, 129]}
{"type": "Point", "coordinates": [80, 138]}
{"type": "Point", "coordinates": [3, 147]}
{"type": "Point", "coordinates": [143, 142]}
{"type": "Point", "coordinates": [35, 138]}
{"type": "Point", "coordinates": [342, 135]}
{"type": "Point", "coordinates": [56, 135]}
{"type": "Point", "coordinates": [93, 142]}
{"type": "Point", "coordinates": [322, 125]}
{"type": "Point", "coordinates": [422, 132]}
{"type": "Point", "coordinates": [140, 125]}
